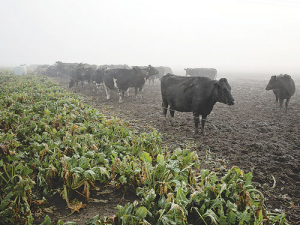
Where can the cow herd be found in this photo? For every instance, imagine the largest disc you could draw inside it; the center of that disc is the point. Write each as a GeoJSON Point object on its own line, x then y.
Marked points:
{"type": "Point", "coordinates": [197, 92]}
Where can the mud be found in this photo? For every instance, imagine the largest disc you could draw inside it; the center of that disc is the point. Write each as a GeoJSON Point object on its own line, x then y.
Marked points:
{"type": "Point", "coordinates": [253, 135]}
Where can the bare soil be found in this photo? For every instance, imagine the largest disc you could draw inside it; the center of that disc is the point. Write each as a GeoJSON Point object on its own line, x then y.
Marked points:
{"type": "Point", "coordinates": [253, 135]}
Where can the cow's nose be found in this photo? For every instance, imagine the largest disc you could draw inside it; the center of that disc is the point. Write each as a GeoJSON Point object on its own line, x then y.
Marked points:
{"type": "Point", "coordinates": [231, 103]}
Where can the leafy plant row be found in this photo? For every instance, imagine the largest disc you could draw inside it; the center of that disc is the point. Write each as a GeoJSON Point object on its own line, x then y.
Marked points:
{"type": "Point", "coordinates": [51, 142]}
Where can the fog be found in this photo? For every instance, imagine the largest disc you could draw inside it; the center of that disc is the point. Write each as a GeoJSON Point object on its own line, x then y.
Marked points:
{"type": "Point", "coordinates": [233, 36]}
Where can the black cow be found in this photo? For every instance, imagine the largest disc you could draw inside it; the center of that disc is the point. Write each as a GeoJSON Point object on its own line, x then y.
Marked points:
{"type": "Point", "coordinates": [194, 94]}
{"type": "Point", "coordinates": [76, 76]}
{"type": "Point", "coordinates": [81, 74]}
{"type": "Point", "coordinates": [124, 79]}
{"type": "Point", "coordinates": [201, 72]}
{"type": "Point", "coordinates": [88, 74]}
{"type": "Point", "coordinates": [162, 70]}
{"type": "Point", "coordinates": [97, 77]}
{"type": "Point", "coordinates": [283, 87]}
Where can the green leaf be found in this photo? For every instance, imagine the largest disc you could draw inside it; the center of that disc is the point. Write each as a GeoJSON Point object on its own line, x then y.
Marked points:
{"type": "Point", "coordinates": [123, 180]}
{"type": "Point", "coordinates": [162, 201]}
{"type": "Point", "coordinates": [145, 157]}
{"type": "Point", "coordinates": [161, 159]}
{"type": "Point", "coordinates": [223, 220]}
{"type": "Point", "coordinates": [141, 212]}
{"type": "Point", "coordinates": [47, 221]}
{"type": "Point", "coordinates": [231, 218]}
{"type": "Point", "coordinates": [248, 178]}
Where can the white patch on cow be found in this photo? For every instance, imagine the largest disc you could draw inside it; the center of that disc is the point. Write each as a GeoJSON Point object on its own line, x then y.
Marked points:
{"type": "Point", "coordinates": [120, 97]}
{"type": "Point", "coordinates": [107, 91]}
{"type": "Point", "coordinates": [115, 82]}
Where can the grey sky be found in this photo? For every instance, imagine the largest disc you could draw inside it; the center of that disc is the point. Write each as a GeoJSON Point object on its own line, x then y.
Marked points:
{"type": "Point", "coordinates": [231, 35]}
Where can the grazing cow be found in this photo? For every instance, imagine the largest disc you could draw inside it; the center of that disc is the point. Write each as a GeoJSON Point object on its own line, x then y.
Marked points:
{"type": "Point", "coordinates": [162, 70]}
{"type": "Point", "coordinates": [77, 75]}
{"type": "Point", "coordinates": [152, 73]}
{"type": "Point", "coordinates": [194, 94]}
{"type": "Point", "coordinates": [88, 74]}
{"type": "Point", "coordinates": [283, 87]}
{"type": "Point", "coordinates": [81, 74]}
{"type": "Point", "coordinates": [201, 72]}
{"type": "Point", "coordinates": [97, 77]}
{"type": "Point", "coordinates": [124, 78]}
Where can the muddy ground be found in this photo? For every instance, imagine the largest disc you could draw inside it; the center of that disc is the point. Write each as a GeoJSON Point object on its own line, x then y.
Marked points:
{"type": "Point", "coordinates": [253, 135]}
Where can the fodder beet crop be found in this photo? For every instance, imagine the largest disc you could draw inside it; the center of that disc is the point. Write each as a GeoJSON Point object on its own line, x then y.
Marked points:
{"type": "Point", "coordinates": [51, 142]}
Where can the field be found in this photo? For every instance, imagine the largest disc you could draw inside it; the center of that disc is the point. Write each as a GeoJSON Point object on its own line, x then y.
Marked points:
{"type": "Point", "coordinates": [59, 154]}
{"type": "Point", "coordinates": [253, 135]}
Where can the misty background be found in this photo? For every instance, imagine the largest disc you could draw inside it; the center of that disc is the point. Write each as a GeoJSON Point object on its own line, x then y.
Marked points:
{"type": "Point", "coordinates": [259, 37]}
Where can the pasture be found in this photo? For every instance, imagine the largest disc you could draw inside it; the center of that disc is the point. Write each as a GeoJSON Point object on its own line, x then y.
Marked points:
{"type": "Point", "coordinates": [252, 135]}
{"type": "Point", "coordinates": [62, 151]}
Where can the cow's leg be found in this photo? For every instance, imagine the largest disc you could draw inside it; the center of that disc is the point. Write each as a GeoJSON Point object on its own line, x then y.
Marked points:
{"type": "Point", "coordinates": [281, 103]}
{"type": "Point", "coordinates": [196, 121]}
{"type": "Point", "coordinates": [172, 112]}
{"type": "Point", "coordinates": [107, 91]}
{"type": "Point", "coordinates": [140, 90]}
{"type": "Point", "coordinates": [121, 94]}
{"type": "Point", "coordinates": [203, 120]}
{"type": "Point", "coordinates": [165, 110]}
{"type": "Point", "coordinates": [287, 103]}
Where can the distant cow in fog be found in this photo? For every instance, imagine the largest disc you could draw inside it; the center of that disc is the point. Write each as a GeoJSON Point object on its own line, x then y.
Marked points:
{"type": "Point", "coordinates": [97, 77]}
{"type": "Point", "coordinates": [162, 70]}
{"type": "Point", "coordinates": [283, 87]}
{"type": "Point", "coordinates": [126, 78]}
{"type": "Point", "coordinates": [81, 74]}
{"type": "Point", "coordinates": [77, 76]}
{"type": "Point", "coordinates": [201, 72]}
{"type": "Point", "coordinates": [194, 94]}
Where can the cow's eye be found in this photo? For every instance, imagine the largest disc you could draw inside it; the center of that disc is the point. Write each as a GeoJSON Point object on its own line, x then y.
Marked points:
{"type": "Point", "coordinates": [224, 90]}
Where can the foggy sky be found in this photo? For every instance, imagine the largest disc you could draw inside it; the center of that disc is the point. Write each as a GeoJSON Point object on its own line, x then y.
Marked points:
{"type": "Point", "coordinates": [232, 35]}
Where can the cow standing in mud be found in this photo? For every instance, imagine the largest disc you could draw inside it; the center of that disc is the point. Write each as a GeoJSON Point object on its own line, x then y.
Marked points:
{"type": "Point", "coordinates": [124, 79]}
{"type": "Point", "coordinates": [283, 87]}
{"type": "Point", "coordinates": [194, 94]}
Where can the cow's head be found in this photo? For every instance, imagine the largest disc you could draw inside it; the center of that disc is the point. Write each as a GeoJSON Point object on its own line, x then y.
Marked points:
{"type": "Point", "coordinates": [273, 84]}
{"type": "Point", "coordinates": [151, 70]}
{"type": "Point", "coordinates": [224, 92]}
{"type": "Point", "coordinates": [140, 71]}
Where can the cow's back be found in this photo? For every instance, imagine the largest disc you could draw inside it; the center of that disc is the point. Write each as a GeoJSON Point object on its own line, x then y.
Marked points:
{"type": "Point", "coordinates": [186, 94]}
{"type": "Point", "coordinates": [170, 80]}
{"type": "Point", "coordinates": [287, 84]}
